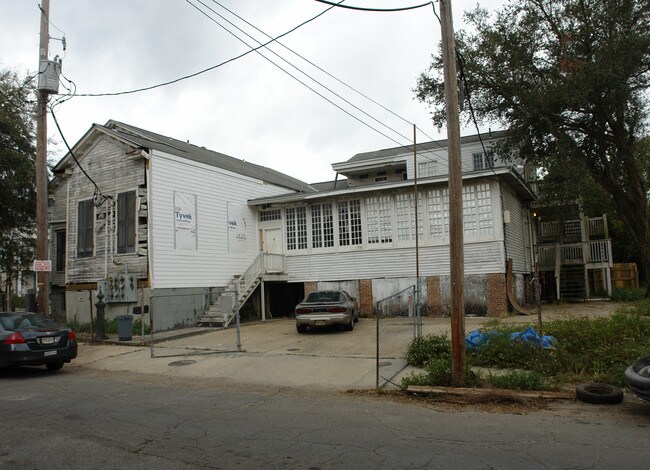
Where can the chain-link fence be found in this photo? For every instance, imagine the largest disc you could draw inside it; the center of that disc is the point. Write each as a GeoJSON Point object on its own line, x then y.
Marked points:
{"type": "Point", "coordinates": [398, 321]}
{"type": "Point", "coordinates": [215, 330]}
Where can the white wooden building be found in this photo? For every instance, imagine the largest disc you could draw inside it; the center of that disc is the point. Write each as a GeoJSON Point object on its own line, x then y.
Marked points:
{"type": "Point", "coordinates": [176, 222]}
{"type": "Point", "coordinates": [182, 223]}
{"type": "Point", "coordinates": [359, 233]}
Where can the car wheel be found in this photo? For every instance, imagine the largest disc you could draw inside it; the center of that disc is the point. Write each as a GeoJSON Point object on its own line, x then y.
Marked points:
{"type": "Point", "coordinates": [356, 317]}
{"type": "Point", "coordinates": [54, 365]}
{"type": "Point", "coordinates": [599, 393]}
{"type": "Point", "coordinates": [301, 328]}
{"type": "Point", "coordinates": [349, 326]}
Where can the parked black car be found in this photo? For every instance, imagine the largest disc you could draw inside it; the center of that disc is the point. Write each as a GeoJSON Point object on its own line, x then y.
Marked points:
{"type": "Point", "coordinates": [32, 339]}
{"type": "Point", "coordinates": [637, 377]}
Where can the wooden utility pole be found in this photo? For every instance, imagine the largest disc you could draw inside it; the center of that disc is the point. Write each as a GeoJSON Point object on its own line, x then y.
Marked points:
{"type": "Point", "coordinates": [42, 280]}
{"type": "Point", "coordinates": [456, 262]}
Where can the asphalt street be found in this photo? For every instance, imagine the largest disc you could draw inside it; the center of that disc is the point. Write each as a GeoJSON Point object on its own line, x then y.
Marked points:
{"type": "Point", "coordinates": [89, 418]}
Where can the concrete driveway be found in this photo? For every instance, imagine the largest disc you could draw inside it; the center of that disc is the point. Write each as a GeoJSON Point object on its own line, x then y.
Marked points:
{"type": "Point", "coordinates": [275, 355]}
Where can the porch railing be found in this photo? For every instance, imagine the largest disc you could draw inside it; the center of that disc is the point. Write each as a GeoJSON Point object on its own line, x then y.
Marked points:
{"type": "Point", "coordinates": [594, 251]}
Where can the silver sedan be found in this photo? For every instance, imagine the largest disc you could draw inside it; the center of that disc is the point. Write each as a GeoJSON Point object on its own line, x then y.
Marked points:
{"type": "Point", "coordinates": [326, 308]}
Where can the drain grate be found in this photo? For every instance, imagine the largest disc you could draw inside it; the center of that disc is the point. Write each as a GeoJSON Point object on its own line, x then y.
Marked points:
{"type": "Point", "coordinates": [385, 363]}
{"type": "Point", "coordinates": [184, 362]}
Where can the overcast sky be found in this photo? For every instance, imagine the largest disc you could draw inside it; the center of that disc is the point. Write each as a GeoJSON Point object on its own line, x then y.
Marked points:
{"type": "Point", "coordinates": [249, 108]}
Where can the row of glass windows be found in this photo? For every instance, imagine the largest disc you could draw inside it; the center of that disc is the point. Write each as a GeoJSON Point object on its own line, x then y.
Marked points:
{"type": "Point", "coordinates": [125, 225]}
{"type": "Point", "coordinates": [386, 217]}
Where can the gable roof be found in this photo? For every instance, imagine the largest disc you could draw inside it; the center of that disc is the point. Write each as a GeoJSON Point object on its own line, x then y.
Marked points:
{"type": "Point", "coordinates": [141, 138]}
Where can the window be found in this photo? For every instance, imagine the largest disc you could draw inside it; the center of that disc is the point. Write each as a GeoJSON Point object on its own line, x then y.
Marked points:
{"type": "Point", "coordinates": [381, 176]}
{"type": "Point", "coordinates": [296, 228]}
{"type": "Point", "coordinates": [477, 210]}
{"type": "Point", "coordinates": [379, 219]}
{"type": "Point", "coordinates": [322, 226]}
{"type": "Point", "coordinates": [438, 207]}
{"type": "Point", "coordinates": [85, 228]}
{"type": "Point", "coordinates": [349, 222]}
{"type": "Point", "coordinates": [481, 161]}
{"type": "Point", "coordinates": [268, 215]}
{"type": "Point", "coordinates": [126, 222]}
{"type": "Point", "coordinates": [60, 251]}
{"type": "Point", "coordinates": [427, 169]}
{"type": "Point", "coordinates": [405, 209]}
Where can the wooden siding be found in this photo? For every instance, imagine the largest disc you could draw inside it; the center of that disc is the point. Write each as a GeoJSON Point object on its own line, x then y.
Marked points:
{"type": "Point", "coordinates": [212, 264]}
{"type": "Point", "coordinates": [480, 258]}
{"type": "Point", "coordinates": [517, 233]}
{"type": "Point", "coordinates": [114, 173]}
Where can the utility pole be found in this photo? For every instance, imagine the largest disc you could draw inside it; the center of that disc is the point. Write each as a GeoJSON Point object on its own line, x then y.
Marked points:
{"type": "Point", "coordinates": [456, 262]}
{"type": "Point", "coordinates": [42, 281]}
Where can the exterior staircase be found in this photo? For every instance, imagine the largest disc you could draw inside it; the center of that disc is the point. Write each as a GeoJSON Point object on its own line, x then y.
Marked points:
{"type": "Point", "coordinates": [572, 284]}
{"type": "Point", "coordinates": [222, 305]}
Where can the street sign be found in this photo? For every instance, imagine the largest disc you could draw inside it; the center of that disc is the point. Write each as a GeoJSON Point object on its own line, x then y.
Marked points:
{"type": "Point", "coordinates": [42, 265]}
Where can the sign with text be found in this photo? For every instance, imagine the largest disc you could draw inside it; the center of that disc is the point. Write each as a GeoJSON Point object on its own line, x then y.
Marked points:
{"type": "Point", "coordinates": [42, 265]}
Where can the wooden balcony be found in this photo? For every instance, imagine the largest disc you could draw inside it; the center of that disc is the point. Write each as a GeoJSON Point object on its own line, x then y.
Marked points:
{"type": "Point", "coordinates": [593, 254]}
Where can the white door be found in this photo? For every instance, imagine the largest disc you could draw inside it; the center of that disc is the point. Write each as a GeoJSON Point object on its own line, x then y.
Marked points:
{"type": "Point", "coordinates": [273, 240]}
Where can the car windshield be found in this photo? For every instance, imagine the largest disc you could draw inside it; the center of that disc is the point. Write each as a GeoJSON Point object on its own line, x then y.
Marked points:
{"type": "Point", "coordinates": [325, 296]}
{"type": "Point", "coordinates": [17, 322]}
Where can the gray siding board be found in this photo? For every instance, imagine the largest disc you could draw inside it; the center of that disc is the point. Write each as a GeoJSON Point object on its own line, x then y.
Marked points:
{"type": "Point", "coordinates": [515, 231]}
{"type": "Point", "coordinates": [480, 258]}
{"type": "Point", "coordinates": [113, 172]}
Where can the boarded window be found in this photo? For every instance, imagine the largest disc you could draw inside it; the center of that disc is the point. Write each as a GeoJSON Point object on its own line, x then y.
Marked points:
{"type": "Point", "coordinates": [85, 228]}
{"type": "Point", "coordinates": [126, 222]}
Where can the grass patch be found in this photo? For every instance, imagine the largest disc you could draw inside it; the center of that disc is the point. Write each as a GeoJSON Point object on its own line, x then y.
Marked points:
{"type": "Point", "coordinates": [627, 295]}
{"type": "Point", "coordinates": [586, 349]}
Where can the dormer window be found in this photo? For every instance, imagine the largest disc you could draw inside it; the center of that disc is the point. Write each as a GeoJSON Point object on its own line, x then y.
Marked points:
{"type": "Point", "coordinates": [481, 161]}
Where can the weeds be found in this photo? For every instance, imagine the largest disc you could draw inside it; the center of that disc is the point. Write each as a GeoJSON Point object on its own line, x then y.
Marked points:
{"type": "Point", "coordinates": [110, 327]}
{"type": "Point", "coordinates": [586, 349]}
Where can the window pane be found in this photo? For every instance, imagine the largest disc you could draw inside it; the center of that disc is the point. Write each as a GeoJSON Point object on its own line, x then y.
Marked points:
{"type": "Point", "coordinates": [85, 232]}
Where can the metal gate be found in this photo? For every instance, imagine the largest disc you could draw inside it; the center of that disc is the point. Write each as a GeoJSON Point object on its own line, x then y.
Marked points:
{"type": "Point", "coordinates": [398, 321]}
{"type": "Point", "coordinates": [197, 336]}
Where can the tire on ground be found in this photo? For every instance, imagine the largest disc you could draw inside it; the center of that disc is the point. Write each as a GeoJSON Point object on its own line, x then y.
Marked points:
{"type": "Point", "coordinates": [599, 393]}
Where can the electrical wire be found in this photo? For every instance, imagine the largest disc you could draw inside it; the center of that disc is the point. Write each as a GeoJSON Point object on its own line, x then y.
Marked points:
{"type": "Point", "coordinates": [322, 69]}
{"type": "Point", "coordinates": [381, 10]}
{"type": "Point", "coordinates": [298, 69]}
{"type": "Point", "coordinates": [185, 77]}
{"type": "Point", "coordinates": [313, 79]}
{"type": "Point", "coordinates": [98, 198]}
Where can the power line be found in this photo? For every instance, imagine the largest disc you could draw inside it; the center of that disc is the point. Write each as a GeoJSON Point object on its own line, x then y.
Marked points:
{"type": "Point", "coordinates": [185, 77]}
{"type": "Point", "coordinates": [381, 10]}
{"type": "Point", "coordinates": [313, 79]}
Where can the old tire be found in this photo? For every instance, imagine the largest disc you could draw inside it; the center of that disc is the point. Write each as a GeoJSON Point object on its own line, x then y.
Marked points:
{"type": "Point", "coordinates": [599, 393]}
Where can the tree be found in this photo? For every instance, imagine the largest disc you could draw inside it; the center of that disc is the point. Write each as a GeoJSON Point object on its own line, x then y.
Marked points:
{"type": "Point", "coordinates": [17, 175]}
{"type": "Point", "coordinates": [569, 80]}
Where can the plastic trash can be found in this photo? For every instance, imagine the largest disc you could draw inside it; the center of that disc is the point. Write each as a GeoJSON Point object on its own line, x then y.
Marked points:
{"type": "Point", "coordinates": [124, 327]}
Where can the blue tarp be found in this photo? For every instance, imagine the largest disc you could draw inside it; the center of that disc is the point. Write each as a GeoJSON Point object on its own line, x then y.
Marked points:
{"type": "Point", "coordinates": [476, 339]}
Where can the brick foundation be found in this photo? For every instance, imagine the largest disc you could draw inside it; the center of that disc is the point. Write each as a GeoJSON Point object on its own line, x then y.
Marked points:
{"type": "Point", "coordinates": [434, 301]}
{"type": "Point", "coordinates": [365, 297]}
{"type": "Point", "coordinates": [497, 298]}
{"type": "Point", "coordinates": [310, 287]}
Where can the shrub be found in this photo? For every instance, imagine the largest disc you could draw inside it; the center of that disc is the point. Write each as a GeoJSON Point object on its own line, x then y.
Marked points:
{"type": "Point", "coordinates": [438, 373]}
{"type": "Point", "coordinates": [427, 348]}
{"type": "Point", "coordinates": [627, 295]}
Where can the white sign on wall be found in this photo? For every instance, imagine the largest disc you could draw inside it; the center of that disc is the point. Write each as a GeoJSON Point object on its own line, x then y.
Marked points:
{"type": "Point", "coordinates": [185, 221]}
{"type": "Point", "coordinates": [236, 228]}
